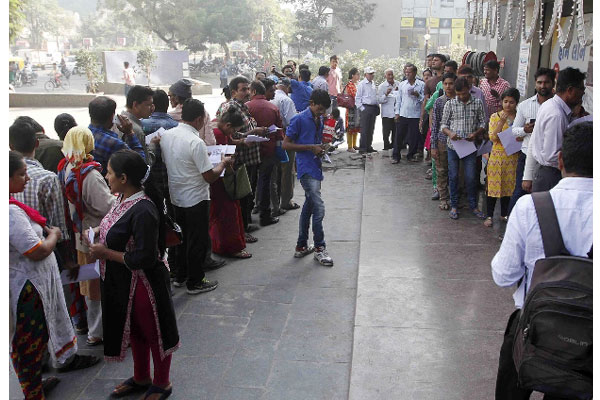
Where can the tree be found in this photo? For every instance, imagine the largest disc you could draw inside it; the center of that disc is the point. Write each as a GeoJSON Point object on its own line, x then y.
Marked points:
{"type": "Point", "coordinates": [313, 19]}
{"type": "Point", "coordinates": [16, 19]}
{"type": "Point", "coordinates": [190, 23]}
{"type": "Point", "coordinates": [274, 20]}
{"type": "Point", "coordinates": [145, 59]}
{"type": "Point", "coordinates": [44, 16]}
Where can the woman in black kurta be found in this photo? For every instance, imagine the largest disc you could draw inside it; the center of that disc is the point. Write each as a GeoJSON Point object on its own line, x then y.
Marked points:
{"type": "Point", "coordinates": [136, 301]}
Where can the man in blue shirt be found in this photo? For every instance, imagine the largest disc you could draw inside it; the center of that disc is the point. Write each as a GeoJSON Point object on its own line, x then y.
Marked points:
{"type": "Point", "coordinates": [301, 90]}
{"type": "Point", "coordinates": [304, 135]}
{"type": "Point", "coordinates": [159, 118]}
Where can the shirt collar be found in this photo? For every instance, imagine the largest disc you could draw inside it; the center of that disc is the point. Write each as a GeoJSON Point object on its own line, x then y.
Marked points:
{"type": "Point", "coordinates": [160, 115]}
{"type": "Point", "coordinates": [561, 103]}
{"type": "Point", "coordinates": [576, 183]}
{"type": "Point", "coordinates": [188, 128]}
{"type": "Point", "coordinates": [33, 161]}
{"type": "Point", "coordinates": [132, 117]}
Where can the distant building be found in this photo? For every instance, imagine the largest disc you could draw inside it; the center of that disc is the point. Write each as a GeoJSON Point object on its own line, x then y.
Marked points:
{"type": "Point", "coordinates": [399, 27]}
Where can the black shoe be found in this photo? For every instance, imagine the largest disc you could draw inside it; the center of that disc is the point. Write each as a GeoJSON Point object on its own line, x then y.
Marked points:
{"type": "Point", "coordinates": [269, 221]}
{"type": "Point", "coordinates": [81, 328]}
{"type": "Point", "coordinates": [279, 212]}
{"type": "Point", "coordinates": [213, 264]}
{"type": "Point", "coordinates": [203, 287]}
{"type": "Point", "coordinates": [255, 210]}
{"type": "Point", "coordinates": [80, 362]}
{"type": "Point", "coordinates": [371, 150]}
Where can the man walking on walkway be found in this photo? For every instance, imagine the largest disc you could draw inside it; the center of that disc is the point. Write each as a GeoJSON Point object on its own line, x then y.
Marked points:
{"type": "Point", "coordinates": [366, 102]}
{"type": "Point", "coordinates": [304, 136]}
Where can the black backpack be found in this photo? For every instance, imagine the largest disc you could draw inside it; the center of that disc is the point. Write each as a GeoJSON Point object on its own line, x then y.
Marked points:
{"type": "Point", "coordinates": [552, 349]}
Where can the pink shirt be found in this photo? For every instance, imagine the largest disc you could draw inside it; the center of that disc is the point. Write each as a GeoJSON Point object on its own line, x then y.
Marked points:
{"type": "Point", "coordinates": [493, 104]}
{"type": "Point", "coordinates": [334, 80]}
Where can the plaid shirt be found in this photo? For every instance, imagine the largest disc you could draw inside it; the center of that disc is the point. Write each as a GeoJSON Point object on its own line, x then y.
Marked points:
{"type": "Point", "coordinates": [494, 104]}
{"type": "Point", "coordinates": [436, 120]}
{"type": "Point", "coordinates": [249, 155]}
{"type": "Point", "coordinates": [107, 142]}
{"type": "Point", "coordinates": [462, 118]}
{"type": "Point", "coordinates": [45, 194]}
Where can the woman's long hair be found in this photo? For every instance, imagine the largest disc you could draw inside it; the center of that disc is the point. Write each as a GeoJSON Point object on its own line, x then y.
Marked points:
{"type": "Point", "coordinates": [130, 163]}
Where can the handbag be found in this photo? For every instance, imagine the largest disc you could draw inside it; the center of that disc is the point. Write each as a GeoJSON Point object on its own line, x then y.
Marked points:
{"type": "Point", "coordinates": [237, 184]}
{"type": "Point", "coordinates": [173, 234]}
{"type": "Point", "coordinates": [345, 100]}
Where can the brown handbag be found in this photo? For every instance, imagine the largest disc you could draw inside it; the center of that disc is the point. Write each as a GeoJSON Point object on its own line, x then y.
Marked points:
{"type": "Point", "coordinates": [345, 100]}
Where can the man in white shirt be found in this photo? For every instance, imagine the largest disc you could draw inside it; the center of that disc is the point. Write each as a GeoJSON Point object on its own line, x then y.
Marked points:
{"type": "Point", "coordinates": [190, 173]}
{"type": "Point", "coordinates": [320, 82]}
{"type": "Point", "coordinates": [552, 120]}
{"type": "Point", "coordinates": [367, 103]}
{"type": "Point", "coordinates": [522, 245]}
{"type": "Point", "coordinates": [409, 101]}
{"type": "Point", "coordinates": [525, 121]}
{"type": "Point", "coordinates": [387, 97]}
{"type": "Point", "coordinates": [128, 77]}
{"type": "Point", "coordinates": [285, 174]}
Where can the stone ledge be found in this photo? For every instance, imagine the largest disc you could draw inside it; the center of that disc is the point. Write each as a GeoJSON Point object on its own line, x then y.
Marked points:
{"type": "Point", "coordinates": [199, 87]}
{"type": "Point", "coordinates": [50, 99]}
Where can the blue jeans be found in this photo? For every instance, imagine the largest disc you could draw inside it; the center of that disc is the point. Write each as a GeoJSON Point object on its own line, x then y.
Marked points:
{"type": "Point", "coordinates": [470, 178]}
{"type": "Point", "coordinates": [313, 206]}
{"type": "Point", "coordinates": [519, 180]}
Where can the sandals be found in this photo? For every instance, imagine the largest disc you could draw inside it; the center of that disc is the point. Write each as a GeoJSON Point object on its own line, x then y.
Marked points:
{"type": "Point", "coordinates": [49, 383]}
{"type": "Point", "coordinates": [80, 362]}
{"type": "Point", "coordinates": [292, 206]}
{"type": "Point", "coordinates": [241, 254]}
{"type": "Point", "coordinates": [488, 222]}
{"type": "Point", "coordinates": [444, 206]}
{"type": "Point", "coordinates": [249, 238]}
{"type": "Point", "coordinates": [133, 387]}
{"type": "Point", "coordinates": [504, 219]}
{"type": "Point", "coordinates": [157, 390]}
{"type": "Point", "coordinates": [93, 341]}
{"type": "Point", "coordinates": [478, 213]}
{"type": "Point", "coordinates": [453, 214]}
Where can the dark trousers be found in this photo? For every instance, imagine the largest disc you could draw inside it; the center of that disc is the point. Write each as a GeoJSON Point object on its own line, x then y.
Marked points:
{"type": "Point", "coordinates": [407, 130]}
{"type": "Point", "coordinates": [247, 203]}
{"type": "Point", "coordinates": [264, 186]}
{"type": "Point", "coordinates": [194, 224]}
{"type": "Point", "coordinates": [367, 125]}
{"type": "Point", "coordinates": [388, 131]}
{"type": "Point", "coordinates": [491, 205]}
{"type": "Point", "coordinates": [545, 179]}
{"type": "Point", "coordinates": [518, 192]}
{"type": "Point", "coordinates": [506, 381]}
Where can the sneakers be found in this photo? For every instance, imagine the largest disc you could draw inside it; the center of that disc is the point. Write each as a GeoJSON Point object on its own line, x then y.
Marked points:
{"type": "Point", "coordinates": [202, 287]}
{"type": "Point", "coordinates": [323, 257]}
{"type": "Point", "coordinates": [178, 284]}
{"type": "Point", "coordinates": [302, 251]}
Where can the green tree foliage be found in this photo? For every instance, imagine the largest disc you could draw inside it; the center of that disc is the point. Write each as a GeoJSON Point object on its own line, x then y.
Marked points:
{"type": "Point", "coordinates": [16, 19]}
{"type": "Point", "coordinates": [44, 16]}
{"type": "Point", "coordinates": [274, 20]}
{"type": "Point", "coordinates": [102, 28]}
{"type": "Point", "coordinates": [145, 59]}
{"type": "Point", "coordinates": [189, 23]}
{"type": "Point", "coordinates": [314, 24]}
{"type": "Point", "coordinates": [87, 61]}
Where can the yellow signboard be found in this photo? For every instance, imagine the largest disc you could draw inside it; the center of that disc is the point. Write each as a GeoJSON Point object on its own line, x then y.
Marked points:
{"type": "Point", "coordinates": [458, 23]}
{"type": "Point", "coordinates": [458, 36]}
{"type": "Point", "coordinates": [434, 22]}
{"type": "Point", "coordinates": [407, 22]}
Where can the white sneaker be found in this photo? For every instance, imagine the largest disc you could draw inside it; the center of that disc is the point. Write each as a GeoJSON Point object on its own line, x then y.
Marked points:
{"type": "Point", "coordinates": [322, 256]}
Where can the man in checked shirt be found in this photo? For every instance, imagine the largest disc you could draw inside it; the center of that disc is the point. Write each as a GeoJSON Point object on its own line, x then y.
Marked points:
{"type": "Point", "coordinates": [463, 118]}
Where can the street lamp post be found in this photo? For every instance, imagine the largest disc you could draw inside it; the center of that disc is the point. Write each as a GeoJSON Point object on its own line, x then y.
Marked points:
{"type": "Point", "coordinates": [427, 36]}
{"type": "Point", "coordinates": [280, 35]}
{"type": "Point", "coordinates": [298, 36]}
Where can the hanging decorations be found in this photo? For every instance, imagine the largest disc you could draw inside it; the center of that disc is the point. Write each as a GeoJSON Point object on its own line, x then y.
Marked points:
{"type": "Point", "coordinates": [581, 36]}
{"type": "Point", "coordinates": [564, 39]}
{"type": "Point", "coordinates": [528, 36]}
{"type": "Point", "coordinates": [556, 14]}
{"type": "Point", "coordinates": [488, 19]}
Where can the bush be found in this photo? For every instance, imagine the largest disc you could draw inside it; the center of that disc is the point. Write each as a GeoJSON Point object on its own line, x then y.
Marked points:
{"type": "Point", "coordinates": [87, 61]}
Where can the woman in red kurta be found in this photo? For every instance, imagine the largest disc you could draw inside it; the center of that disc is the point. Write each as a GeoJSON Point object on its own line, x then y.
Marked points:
{"type": "Point", "coordinates": [226, 223]}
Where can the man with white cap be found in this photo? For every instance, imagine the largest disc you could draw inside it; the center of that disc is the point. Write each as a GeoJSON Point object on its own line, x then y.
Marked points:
{"type": "Point", "coordinates": [367, 103]}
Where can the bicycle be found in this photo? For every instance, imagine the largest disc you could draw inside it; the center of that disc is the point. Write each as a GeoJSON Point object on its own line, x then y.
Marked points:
{"type": "Point", "coordinates": [54, 83]}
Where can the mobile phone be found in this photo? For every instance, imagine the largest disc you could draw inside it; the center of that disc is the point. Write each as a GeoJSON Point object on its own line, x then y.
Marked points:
{"type": "Point", "coordinates": [532, 121]}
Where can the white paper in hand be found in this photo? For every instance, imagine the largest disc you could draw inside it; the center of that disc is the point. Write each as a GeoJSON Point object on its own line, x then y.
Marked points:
{"type": "Point", "coordinates": [511, 146]}
{"type": "Point", "coordinates": [87, 271]}
{"type": "Point", "coordinates": [463, 147]}
{"type": "Point", "coordinates": [273, 128]}
{"type": "Point", "coordinates": [151, 136]}
{"type": "Point", "coordinates": [254, 139]}
{"type": "Point", "coordinates": [485, 148]}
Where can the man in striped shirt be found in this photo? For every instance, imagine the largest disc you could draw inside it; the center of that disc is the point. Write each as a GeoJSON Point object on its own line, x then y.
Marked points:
{"type": "Point", "coordinates": [493, 86]}
{"type": "Point", "coordinates": [463, 118]}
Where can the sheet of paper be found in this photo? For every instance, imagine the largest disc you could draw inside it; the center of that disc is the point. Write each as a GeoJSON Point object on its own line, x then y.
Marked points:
{"type": "Point", "coordinates": [463, 147]}
{"type": "Point", "coordinates": [485, 148]}
{"type": "Point", "coordinates": [230, 149]}
{"type": "Point", "coordinates": [510, 143]}
{"type": "Point", "coordinates": [254, 138]}
{"type": "Point", "coordinates": [580, 120]}
{"type": "Point", "coordinates": [151, 136]}
{"type": "Point", "coordinates": [273, 128]}
{"type": "Point", "coordinates": [86, 273]}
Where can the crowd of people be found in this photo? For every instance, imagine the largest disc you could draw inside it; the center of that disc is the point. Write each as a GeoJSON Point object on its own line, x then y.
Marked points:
{"type": "Point", "coordinates": [142, 193]}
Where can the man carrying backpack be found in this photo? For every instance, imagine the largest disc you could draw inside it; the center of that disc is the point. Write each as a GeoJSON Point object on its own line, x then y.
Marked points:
{"type": "Point", "coordinates": [523, 248]}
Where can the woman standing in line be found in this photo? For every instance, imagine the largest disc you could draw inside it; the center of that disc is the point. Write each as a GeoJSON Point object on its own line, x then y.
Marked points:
{"type": "Point", "coordinates": [352, 115]}
{"type": "Point", "coordinates": [136, 301]}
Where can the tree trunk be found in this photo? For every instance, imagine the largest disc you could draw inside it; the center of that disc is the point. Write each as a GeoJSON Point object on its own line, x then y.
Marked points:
{"type": "Point", "coordinates": [226, 48]}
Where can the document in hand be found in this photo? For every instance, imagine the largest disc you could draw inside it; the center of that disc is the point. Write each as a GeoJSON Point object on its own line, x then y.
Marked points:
{"type": "Point", "coordinates": [86, 272]}
{"type": "Point", "coordinates": [151, 136]}
{"type": "Point", "coordinates": [254, 138]}
{"type": "Point", "coordinates": [511, 146]}
{"type": "Point", "coordinates": [485, 148]}
{"type": "Point", "coordinates": [463, 147]}
{"type": "Point", "coordinates": [273, 128]}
